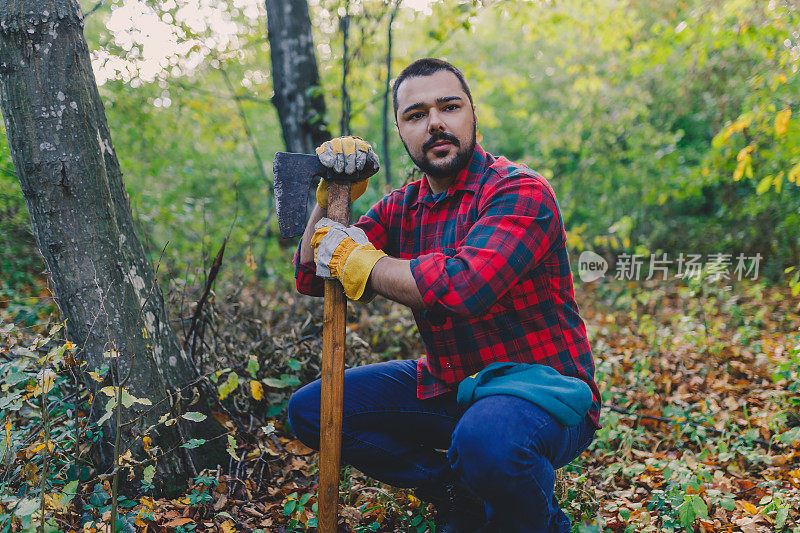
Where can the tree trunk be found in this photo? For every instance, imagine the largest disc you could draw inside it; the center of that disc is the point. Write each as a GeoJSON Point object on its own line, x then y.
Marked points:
{"type": "Point", "coordinates": [295, 79]}
{"type": "Point", "coordinates": [80, 213]}
{"type": "Point", "coordinates": [387, 95]}
{"type": "Point", "coordinates": [344, 25]}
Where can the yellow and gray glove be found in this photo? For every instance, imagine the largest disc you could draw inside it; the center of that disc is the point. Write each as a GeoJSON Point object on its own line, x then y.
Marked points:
{"type": "Point", "coordinates": [347, 155]}
{"type": "Point", "coordinates": [345, 253]}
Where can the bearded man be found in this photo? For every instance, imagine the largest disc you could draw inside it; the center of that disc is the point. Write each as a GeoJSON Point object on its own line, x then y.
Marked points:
{"type": "Point", "coordinates": [477, 249]}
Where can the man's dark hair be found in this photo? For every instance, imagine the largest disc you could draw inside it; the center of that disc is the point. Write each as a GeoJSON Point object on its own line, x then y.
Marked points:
{"type": "Point", "coordinates": [426, 67]}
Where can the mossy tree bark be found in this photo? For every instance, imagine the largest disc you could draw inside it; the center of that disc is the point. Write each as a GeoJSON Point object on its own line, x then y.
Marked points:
{"type": "Point", "coordinates": [80, 213]}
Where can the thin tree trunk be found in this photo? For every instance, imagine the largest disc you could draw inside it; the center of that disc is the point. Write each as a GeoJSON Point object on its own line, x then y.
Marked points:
{"type": "Point", "coordinates": [387, 162]}
{"type": "Point", "coordinates": [295, 78]}
{"type": "Point", "coordinates": [80, 213]}
{"type": "Point", "coordinates": [344, 23]}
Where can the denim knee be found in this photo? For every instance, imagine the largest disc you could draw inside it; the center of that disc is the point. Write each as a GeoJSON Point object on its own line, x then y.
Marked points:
{"type": "Point", "coordinates": [303, 413]}
{"type": "Point", "coordinates": [490, 453]}
{"type": "Point", "coordinates": [478, 456]}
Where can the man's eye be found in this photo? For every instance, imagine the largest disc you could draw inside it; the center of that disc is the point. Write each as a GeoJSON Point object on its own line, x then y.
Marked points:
{"type": "Point", "coordinates": [414, 116]}
{"type": "Point", "coordinates": [450, 107]}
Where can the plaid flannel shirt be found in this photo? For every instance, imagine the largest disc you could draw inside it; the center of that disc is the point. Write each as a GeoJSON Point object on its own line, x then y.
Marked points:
{"type": "Point", "coordinates": [489, 258]}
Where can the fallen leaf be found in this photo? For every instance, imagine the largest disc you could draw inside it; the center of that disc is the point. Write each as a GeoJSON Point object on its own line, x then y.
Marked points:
{"type": "Point", "coordinates": [748, 525]}
{"type": "Point", "coordinates": [257, 390]}
{"type": "Point", "coordinates": [220, 503]}
{"type": "Point", "coordinates": [296, 447]}
{"type": "Point", "coordinates": [748, 507]}
{"type": "Point", "coordinates": [179, 522]}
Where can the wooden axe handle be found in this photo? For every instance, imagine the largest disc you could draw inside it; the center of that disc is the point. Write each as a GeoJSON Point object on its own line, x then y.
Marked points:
{"type": "Point", "coordinates": [333, 351]}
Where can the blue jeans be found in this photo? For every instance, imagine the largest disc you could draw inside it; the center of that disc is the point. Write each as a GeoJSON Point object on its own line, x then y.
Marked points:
{"type": "Point", "coordinates": [503, 448]}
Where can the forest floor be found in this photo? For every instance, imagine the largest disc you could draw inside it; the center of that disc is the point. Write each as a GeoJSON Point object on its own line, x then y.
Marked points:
{"type": "Point", "coordinates": [701, 425]}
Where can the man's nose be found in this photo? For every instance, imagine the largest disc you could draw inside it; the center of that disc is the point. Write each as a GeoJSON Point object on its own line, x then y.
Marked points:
{"type": "Point", "coordinates": [435, 123]}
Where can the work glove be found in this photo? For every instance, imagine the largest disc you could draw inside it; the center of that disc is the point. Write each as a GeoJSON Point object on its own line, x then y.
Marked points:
{"type": "Point", "coordinates": [345, 253]}
{"type": "Point", "coordinates": [348, 155]}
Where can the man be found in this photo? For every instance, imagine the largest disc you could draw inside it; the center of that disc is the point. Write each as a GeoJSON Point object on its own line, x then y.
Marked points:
{"type": "Point", "coordinates": [476, 249]}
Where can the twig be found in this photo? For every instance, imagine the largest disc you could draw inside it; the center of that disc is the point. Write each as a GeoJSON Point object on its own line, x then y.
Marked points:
{"type": "Point", "coordinates": [97, 6]}
{"type": "Point", "coordinates": [261, 470]}
{"type": "Point", "coordinates": [226, 97]}
{"type": "Point", "coordinates": [46, 451]}
{"type": "Point", "coordinates": [212, 275]}
{"type": "Point", "coordinates": [79, 431]}
{"type": "Point", "coordinates": [745, 491]}
{"type": "Point", "coordinates": [230, 470]}
{"type": "Point", "coordinates": [183, 296]}
{"type": "Point", "coordinates": [117, 440]}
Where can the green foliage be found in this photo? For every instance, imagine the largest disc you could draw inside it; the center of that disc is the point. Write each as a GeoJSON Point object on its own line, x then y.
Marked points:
{"type": "Point", "coordinates": [295, 508]}
{"type": "Point", "coordinates": [46, 433]}
{"type": "Point", "coordinates": [663, 127]}
{"type": "Point", "coordinates": [200, 495]}
{"type": "Point", "coordinates": [20, 262]}
{"type": "Point", "coordinates": [40, 422]}
{"type": "Point", "coordinates": [618, 104]}
{"type": "Point", "coordinates": [638, 112]}
{"type": "Point", "coordinates": [702, 436]}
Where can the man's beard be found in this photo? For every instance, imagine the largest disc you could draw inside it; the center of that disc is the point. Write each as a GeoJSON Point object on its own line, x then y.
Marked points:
{"type": "Point", "coordinates": [462, 158]}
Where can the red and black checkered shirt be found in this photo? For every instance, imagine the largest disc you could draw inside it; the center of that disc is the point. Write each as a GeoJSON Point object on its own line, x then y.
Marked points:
{"type": "Point", "coordinates": [490, 260]}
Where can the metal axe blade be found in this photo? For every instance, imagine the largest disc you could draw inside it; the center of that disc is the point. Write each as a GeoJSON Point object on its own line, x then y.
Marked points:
{"type": "Point", "coordinates": [292, 176]}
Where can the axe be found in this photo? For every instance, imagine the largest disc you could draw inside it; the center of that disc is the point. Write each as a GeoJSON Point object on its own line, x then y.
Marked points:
{"type": "Point", "coordinates": [293, 175]}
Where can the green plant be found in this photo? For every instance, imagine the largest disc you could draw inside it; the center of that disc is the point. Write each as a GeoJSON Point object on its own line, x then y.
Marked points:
{"type": "Point", "coordinates": [300, 518]}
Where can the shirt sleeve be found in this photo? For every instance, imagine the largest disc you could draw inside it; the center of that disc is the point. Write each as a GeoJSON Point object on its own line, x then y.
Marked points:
{"type": "Point", "coordinates": [374, 226]}
{"type": "Point", "coordinates": [518, 227]}
{"type": "Point", "coordinates": [305, 276]}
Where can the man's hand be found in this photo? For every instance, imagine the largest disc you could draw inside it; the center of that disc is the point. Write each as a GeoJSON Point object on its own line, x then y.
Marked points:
{"type": "Point", "coordinates": [348, 155]}
{"type": "Point", "coordinates": [345, 253]}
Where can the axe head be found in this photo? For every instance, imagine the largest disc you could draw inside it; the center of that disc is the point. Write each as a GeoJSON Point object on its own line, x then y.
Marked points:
{"type": "Point", "coordinates": [292, 177]}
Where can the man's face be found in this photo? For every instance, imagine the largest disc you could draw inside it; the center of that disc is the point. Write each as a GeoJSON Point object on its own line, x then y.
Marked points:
{"type": "Point", "coordinates": [436, 123]}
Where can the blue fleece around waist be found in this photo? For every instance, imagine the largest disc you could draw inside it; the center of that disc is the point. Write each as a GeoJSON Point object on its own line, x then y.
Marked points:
{"type": "Point", "coordinates": [566, 398]}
